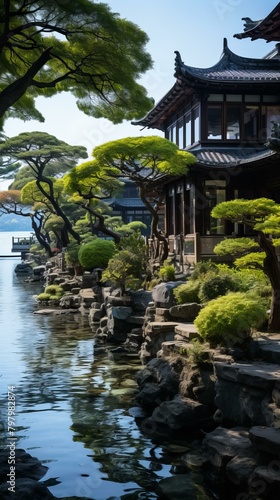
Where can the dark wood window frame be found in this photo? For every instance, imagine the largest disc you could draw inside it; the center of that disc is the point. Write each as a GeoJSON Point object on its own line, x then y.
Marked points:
{"type": "Point", "coordinates": [225, 105]}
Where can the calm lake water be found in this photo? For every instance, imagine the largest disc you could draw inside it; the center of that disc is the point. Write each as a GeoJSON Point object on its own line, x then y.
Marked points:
{"type": "Point", "coordinates": [72, 405]}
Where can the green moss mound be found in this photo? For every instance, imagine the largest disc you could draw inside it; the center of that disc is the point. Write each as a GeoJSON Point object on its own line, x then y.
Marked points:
{"type": "Point", "coordinates": [229, 319]}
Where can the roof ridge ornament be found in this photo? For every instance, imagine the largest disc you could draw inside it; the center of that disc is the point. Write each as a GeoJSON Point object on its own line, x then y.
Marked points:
{"type": "Point", "coordinates": [249, 24]}
{"type": "Point", "coordinates": [178, 59]}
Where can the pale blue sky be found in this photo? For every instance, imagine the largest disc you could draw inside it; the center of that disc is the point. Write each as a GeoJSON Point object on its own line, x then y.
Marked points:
{"type": "Point", "coordinates": [194, 27]}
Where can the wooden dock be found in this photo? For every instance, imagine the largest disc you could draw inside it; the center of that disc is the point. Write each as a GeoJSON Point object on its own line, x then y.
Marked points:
{"type": "Point", "coordinates": [20, 246]}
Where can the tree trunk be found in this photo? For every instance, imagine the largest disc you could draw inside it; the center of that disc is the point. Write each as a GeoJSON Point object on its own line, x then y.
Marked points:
{"type": "Point", "coordinates": [154, 224]}
{"type": "Point", "coordinates": [101, 226]}
{"type": "Point", "coordinates": [13, 92]}
{"type": "Point", "coordinates": [37, 230]}
{"type": "Point", "coordinates": [274, 320]}
{"type": "Point", "coordinates": [68, 227]}
{"type": "Point", "coordinates": [272, 270]}
{"type": "Point", "coordinates": [160, 237]}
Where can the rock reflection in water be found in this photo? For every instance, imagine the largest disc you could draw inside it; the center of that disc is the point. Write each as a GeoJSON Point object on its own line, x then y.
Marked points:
{"type": "Point", "coordinates": [73, 408]}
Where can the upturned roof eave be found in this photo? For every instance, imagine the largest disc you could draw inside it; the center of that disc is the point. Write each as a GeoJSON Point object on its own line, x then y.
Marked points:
{"type": "Point", "coordinates": [229, 61]}
{"type": "Point", "coordinates": [267, 29]}
{"type": "Point", "coordinates": [190, 79]}
{"type": "Point", "coordinates": [156, 117]}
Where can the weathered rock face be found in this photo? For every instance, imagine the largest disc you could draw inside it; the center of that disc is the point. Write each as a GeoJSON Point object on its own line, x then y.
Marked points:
{"type": "Point", "coordinates": [70, 301]}
{"type": "Point", "coordinates": [117, 321]}
{"type": "Point", "coordinates": [162, 294]}
{"type": "Point", "coordinates": [266, 439]}
{"type": "Point", "coordinates": [158, 381]}
{"type": "Point", "coordinates": [187, 312]}
{"type": "Point", "coordinates": [120, 318]}
{"type": "Point", "coordinates": [239, 469]}
{"type": "Point", "coordinates": [222, 445]}
{"type": "Point", "coordinates": [180, 413]}
{"type": "Point", "coordinates": [246, 460]}
{"type": "Point", "coordinates": [155, 333]}
{"type": "Point", "coordinates": [198, 383]}
{"type": "Point", "coordinates": [245, 392]}
{"type": "Point", "coordinates": [162, 390]}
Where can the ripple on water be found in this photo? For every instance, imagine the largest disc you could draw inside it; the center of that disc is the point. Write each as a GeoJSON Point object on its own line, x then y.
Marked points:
{"type": "Point", "coordinates": [72, 405]}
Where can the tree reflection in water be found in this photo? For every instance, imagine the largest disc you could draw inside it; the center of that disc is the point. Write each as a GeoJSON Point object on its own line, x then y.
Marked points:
{"type": "Point", "coordinates": [73, 413]}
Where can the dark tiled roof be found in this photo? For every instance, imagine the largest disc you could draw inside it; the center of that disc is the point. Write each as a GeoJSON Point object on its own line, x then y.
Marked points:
{"type": "Point", "coordinates": [231, 72]}
{"type": "Point", "coordinates": [126, 202]}
{"type": "Point", "coordinates": [268, 29]}
{"type": "Point", "coordinates": [230, 157]}
{"type": "Point", "coordinates": [231, 68]}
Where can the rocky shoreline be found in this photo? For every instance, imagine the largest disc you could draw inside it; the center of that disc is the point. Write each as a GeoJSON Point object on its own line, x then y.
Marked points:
{"type": "Point", "coordinates": [229, 397]}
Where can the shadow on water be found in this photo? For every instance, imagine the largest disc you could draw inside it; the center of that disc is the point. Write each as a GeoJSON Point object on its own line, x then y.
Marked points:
{"type": "Point", "coordinates": [73, 410]}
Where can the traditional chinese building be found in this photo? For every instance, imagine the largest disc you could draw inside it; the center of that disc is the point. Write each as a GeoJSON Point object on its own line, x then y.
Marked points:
{"type": "Point", "coordinates": [223, 115]}
{"type": "Point", "coordinates": [130, 207]}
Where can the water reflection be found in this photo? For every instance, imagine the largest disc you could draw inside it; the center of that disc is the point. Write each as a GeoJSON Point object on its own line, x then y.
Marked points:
{"type": "Point", "coordinates": [73, 408]}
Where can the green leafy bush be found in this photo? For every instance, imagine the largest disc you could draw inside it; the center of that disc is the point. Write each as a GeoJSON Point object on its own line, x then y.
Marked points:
{"type": "Point", "coordinates": [97, 253]}
{"type": "Point", "coordinates": [215, 285]}
{"type": "Point", "coordinates": [167, 271]}
{"type": "Point", "coordinates": [203, 267]}
{"type": "Point", "coordinates": [188, 292]}
{"type": "Point", "coordinates": [124, 271]}
{"type": "Point", "coordinates": [229, 319]}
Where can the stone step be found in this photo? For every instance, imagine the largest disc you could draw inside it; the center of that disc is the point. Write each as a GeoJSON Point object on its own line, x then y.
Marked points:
{"type": "Point", "coordinates": [267, 347]}
{"type": "Point", "coordinates": [156, 327]}
{"type": "Point", "coordinates": [185, 331]}
{"type": "Point", "coordinates": [257, 374]}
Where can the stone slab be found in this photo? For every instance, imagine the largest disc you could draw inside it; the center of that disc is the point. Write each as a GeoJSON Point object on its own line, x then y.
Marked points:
{"type": "Point", "coordinates": [269, 348]}
{"type": "Point", "coordinates": [260, 375]}
{"type": "Point", "coordinates": [186, 330]}
{"type": "Point", "coordinates": [223, 445]}
{"type": "Point", "coordinates": [266, 439]}
{"type": "Point", "coordinates": [87, 292]}
{"type": "Point", "coordinates": [156, 327]}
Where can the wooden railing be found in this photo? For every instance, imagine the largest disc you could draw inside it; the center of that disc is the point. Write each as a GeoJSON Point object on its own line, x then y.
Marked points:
{"type": "Point", "coordinates": [21, 244]}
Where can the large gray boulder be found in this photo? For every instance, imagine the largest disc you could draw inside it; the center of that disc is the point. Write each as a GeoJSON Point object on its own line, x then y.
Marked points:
{"type": "Point", "coordinates": [162, 294]}
{"type": "Point", "coordinates": [222, 445]}
{"type": "Point", "coordinates": [181, 413]}
{"type": "Point", "coordinates": [157, 382]}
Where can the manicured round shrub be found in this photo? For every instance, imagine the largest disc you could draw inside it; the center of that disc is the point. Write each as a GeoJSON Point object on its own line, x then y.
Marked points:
{"type": "Point", "coordinates": [54, 290]}
{"type": "Point", "coordinates": [97, 253]}
{"type": "Point", "coordinates": [229, 319]}
{"type": "Point", "coordinates": [188, 292]}
{"type": "Point", "coordinates": [215, 285]}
